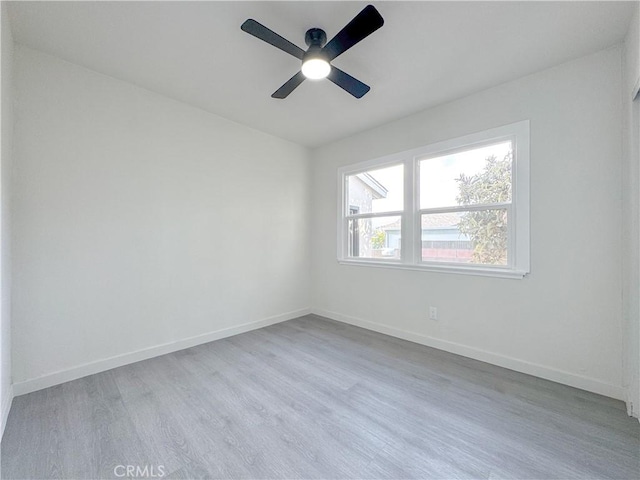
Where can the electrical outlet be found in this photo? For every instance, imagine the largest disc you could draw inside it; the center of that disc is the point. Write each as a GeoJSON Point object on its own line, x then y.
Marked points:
{"type": "Point", "coordinates": [433, 313]}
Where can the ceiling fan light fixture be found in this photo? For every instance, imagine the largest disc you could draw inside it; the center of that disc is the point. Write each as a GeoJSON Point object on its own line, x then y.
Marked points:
{"type": "Point", "coordinates": [316, 60]}
{"type": "Point", "coordinates": [316, 68]}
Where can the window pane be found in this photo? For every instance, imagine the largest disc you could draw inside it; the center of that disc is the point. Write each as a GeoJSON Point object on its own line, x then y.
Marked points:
{"type": "Point", "coordinates": [376, 191]}
{"type": "Point", "coordinates": [478, 176]}
{"type": "Point", "coordinates": [466, 237]}
{"type": "Point", "coordinates": [377, 237]}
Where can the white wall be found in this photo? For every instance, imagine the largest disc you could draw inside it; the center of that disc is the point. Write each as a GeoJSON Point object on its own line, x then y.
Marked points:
{"type": "Point", "coordinates": [631, 214]}
{"type": "Point", "coordinates": [6, 122]}
{"type": "Point", "coordinates": [140, 221]}
{"type": "Point", "coordinates": [564, 321]}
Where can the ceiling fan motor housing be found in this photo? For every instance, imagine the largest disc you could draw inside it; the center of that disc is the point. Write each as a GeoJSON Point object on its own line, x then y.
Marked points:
{"type": "Point", "coordinates": [315, 37]}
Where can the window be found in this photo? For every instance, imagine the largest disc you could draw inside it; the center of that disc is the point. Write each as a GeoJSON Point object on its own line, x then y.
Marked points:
{"type": "Point", "coordinates": [457, 206]}
{"type": "Point", "coordinates": [375, 204]}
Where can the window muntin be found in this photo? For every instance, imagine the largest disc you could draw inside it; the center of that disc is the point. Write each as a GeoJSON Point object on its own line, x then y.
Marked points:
{"type": "Point", "coordinates": [449, 194]}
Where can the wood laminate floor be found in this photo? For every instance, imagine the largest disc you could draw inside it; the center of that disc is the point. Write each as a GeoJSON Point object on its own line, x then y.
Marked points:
{"type": "Point", "coordinates": [312, 398]}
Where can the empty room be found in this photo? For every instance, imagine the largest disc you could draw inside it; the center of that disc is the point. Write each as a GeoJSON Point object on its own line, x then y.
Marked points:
{"type": "Point", "coordinates": [320, 240]}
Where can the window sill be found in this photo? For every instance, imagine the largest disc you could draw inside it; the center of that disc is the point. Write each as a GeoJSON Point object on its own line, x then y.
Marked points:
{"type": "Point", "coordinates": [455, 269]}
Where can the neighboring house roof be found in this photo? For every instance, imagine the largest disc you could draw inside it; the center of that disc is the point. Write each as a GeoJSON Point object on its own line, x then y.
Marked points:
{"type": "Point", "coordinates": [440, 220]}
{"type": "Point", "coordinates": [378, 190]}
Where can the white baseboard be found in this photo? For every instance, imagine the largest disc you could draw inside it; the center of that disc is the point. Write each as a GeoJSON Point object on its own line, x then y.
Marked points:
{"type": "Point", "coordinates": [6, 406]}
{"type": "Point", "coordinates": [62, 376]}
{"type": "Point", "coordinates": [548, 373]}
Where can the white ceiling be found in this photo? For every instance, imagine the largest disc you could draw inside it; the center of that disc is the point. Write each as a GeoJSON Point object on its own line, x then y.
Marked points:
{"type": "Point", "coordinates": [426, 53]}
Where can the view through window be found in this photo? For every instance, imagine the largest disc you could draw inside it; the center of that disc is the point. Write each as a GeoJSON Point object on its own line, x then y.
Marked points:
{"type": "Point", "coordinates": [450, 205]}
{"type": "Point", "coordinates": [375, 202]}
{"type": "Point", "coordinates": [464, 205]}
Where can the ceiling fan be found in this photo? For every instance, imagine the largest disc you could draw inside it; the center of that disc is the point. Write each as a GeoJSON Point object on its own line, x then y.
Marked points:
{"type": "Point", "coordinates": [316, 61]}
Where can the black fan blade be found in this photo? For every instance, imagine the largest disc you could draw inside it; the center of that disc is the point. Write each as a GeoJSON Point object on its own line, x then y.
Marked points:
{"type": "Point", "coordinates": [363, 25]}
{"type": "Point", "coordinates": [289, 86]}
{"type": "Point", "coordinates": [263, 33]}
{"type": "Point", "coordinates": [345, 81]}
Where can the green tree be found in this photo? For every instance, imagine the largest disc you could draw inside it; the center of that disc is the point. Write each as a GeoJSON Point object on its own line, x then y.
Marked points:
{"type": "Point", "coordinates": [487, 229]}
{"type": "Point", "coordinates": [378, 239]}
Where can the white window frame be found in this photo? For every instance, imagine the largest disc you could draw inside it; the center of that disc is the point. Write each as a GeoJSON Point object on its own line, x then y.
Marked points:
{"type": "Point", "coordinates": [518, 246]}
